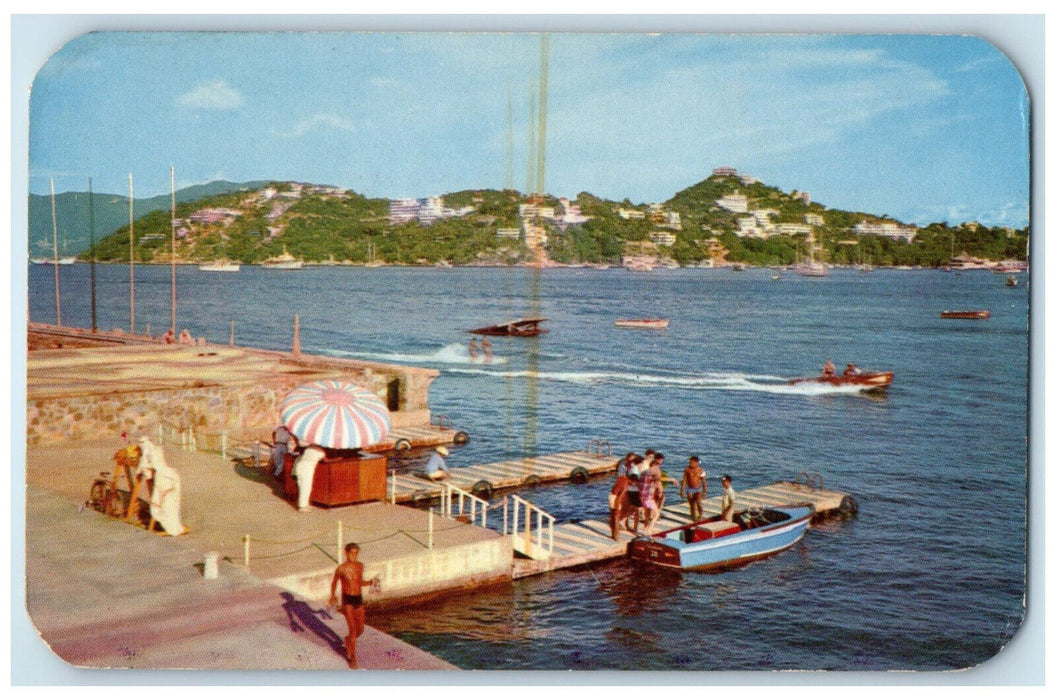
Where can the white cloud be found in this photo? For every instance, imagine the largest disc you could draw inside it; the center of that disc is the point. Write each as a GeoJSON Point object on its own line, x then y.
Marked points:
{"type": "Point", "coordinates": [318, 121]}
{"type": "Point", "coordinates": [216, 95]}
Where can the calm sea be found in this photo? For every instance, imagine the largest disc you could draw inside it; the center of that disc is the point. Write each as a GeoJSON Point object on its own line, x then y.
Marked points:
{"type": "Point", "coordinates": [929, 576]}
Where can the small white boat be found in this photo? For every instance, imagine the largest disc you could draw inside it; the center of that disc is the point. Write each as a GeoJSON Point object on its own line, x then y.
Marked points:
{"type": "Point", "coordinates": [220, 266]}
{"type": "Point", "coordinates": [642, 323]}
{"type": "Point", "coordinates": [67, 260]}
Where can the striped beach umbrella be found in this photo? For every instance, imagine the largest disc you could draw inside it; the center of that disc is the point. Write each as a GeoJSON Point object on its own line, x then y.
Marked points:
{"type": "Point", "coordinates": [335, 414]}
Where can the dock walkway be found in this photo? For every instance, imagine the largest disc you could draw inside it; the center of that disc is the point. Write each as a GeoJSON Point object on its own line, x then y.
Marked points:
{"type": "Point", "coordinates": [587, 541]}
{"type": "Point", "coordinates": [483, 479]}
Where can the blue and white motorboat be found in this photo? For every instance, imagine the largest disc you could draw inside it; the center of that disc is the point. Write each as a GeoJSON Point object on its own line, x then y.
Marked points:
{"type": "Point", "coordinates": [715, 544]}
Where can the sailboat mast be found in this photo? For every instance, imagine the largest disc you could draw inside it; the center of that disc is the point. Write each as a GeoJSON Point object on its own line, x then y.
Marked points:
{"type": "Point", "coordinates": [172, 182]}
{"type": "Point", "coordinates": [131, 262]}
{"type": "Point", "coordinates": [55, 250]}
{"type": "Point", "coordinates": [91, 234]}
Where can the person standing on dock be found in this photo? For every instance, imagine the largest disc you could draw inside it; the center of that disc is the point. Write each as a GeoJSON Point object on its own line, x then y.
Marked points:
{"type": "Point", "coordinates": [436, 467]}
{"type": "Point", "coordinates": [694, 488]}
{"type": "Point", "coordinates": [651, 488]}
{"type": "Point", "coordinates": [280, 438]}
{"type": "Point", "coordinates": [729, 498]}
{"type": "Point", "coordinates": [350, 576]}
{"type": "Point", "coordinates": [618, 502]}
{"type": "Point", "coordinates": [304, 473]}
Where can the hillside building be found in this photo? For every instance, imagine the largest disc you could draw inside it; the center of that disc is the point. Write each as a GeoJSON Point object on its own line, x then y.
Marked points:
{"type": "Point", "coordinates": [888, 229]}
{"type": "Point", "coordinates": [736, 202]}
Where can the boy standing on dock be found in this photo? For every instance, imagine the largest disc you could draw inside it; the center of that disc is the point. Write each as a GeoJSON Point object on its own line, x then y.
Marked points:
{"type": "Point", "coordinates": [694, 488]}
{"type": "Point", "coordinates": [729, 497]}
{"type": "Point", "coordinates": [350, 574]}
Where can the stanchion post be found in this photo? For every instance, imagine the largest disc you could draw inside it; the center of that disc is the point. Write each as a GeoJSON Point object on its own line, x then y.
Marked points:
{"type": "Point", "coordinates": [430, 527]}
{"type": "Point", "coordinates": [245, 549]}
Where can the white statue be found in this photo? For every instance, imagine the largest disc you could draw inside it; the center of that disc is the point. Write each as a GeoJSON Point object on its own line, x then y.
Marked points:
{"type": "Point", "coordinates": [166, 493]}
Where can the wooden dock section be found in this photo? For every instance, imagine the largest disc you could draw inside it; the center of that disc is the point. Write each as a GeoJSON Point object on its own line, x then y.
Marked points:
{"type": "Point", "coordinates": [483, 479]}
{"type": "Point", "coordinates": [587, 541]}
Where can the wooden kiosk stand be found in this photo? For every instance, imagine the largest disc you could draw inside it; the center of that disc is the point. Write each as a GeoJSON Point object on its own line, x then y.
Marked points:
{"type": "Point", "coordinates": [341, 478]}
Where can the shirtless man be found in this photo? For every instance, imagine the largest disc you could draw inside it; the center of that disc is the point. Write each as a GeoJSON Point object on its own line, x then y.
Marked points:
{"type": "Point", "coordinates": [350, 574]}
{"type": "Point", "coordinates": [694, 488]}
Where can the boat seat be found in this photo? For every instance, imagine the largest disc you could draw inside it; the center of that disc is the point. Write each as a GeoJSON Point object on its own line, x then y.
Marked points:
{"type": "Point", "coordinates": [707, 531]}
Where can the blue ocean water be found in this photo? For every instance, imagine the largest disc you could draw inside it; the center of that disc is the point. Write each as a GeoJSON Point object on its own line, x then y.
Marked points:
{"type": "Point", "coordinates": [929, 576]}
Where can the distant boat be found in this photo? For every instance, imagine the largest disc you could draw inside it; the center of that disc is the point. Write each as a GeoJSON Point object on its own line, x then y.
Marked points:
{"type": "Point", "coordinates": [811, 268]}
{"type": "Point", "coordinates": [775, 276]}
{"type": "Point", "coordinates": [715, 544]}
{"type": "Point", "coordinates": [638, 266]}
{"type": "Point", "coordinates": [867, 381]}
{"type": "Point", "coordinates": [220, 266]}
{"type": "Point", "coordinates": [1011, 281]}
{"type": "Point", "coordinates": [283, 262]}
{"type": "Point", "coordinates": [520, 327]}
{"type": "Point", "coordinates": [68, 260]}
{"type": "Point", "coordinates": [642, 323]}
{"type": "Point", "coordinates": [981, 314]}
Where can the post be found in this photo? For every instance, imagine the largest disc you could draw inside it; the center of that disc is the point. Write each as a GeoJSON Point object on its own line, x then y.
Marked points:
{"type": "Point", "coordinates": [296, 335]}
{"type": "Point", "coordinates": [131, 262]}
{"type": "Point", "coordinates": [172, 179]}
{"type": "Point", "coordinates": [91, 233]}
{"type": "Point", "coordinates": [231, 341]}
{"type": "Point", "coordinates": [55, 261]}
{"type": "Point", "coordinates": [223, 445]}
{"type": "Point", "coordinates": [430, 527]}
{"type": "Point", "coordinates": [245, 550]}
{"type": "Point", "coordinates": [340, 539]}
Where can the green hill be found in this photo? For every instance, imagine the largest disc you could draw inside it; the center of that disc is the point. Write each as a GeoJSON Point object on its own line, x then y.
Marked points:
{"type": "Point", "coordinates": [110, 213]}
{"type": "Point", "coordinates": [250, 222]}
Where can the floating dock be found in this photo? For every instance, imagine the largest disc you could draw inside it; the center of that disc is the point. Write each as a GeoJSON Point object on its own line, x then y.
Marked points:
{"type": "Point", "coordinates": [588, 541]}
{"type": "Point", "coordinates": [483, 479]}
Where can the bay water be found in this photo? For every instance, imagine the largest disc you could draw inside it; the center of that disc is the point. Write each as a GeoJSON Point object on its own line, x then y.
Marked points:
{"type": "Point", "coordinates": [930, 575]}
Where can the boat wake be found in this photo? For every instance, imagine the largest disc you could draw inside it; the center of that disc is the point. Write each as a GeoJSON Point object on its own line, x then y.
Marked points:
{"type": "Point", "coordinates": [451, 354]}
{"type": "Point", "coordinates": [722, 381]}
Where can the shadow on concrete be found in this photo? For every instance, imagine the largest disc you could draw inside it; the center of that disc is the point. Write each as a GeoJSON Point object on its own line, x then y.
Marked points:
{"type": "Point", "coordinates": [261, 476]}
{"type": "Point", "coordinates": [303, 618]}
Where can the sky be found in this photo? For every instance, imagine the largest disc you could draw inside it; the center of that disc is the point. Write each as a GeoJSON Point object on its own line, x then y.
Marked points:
{"type": "Point", "coordinates": [920, 127]}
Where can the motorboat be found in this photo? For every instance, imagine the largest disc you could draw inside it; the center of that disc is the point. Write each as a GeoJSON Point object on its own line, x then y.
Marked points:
{"type": "Point", "coordinates": [520, 327]}
{"type": "Point", "coordinates": [715, 544]}
{"type": "Point", "coordinates": [657, 323]}
{"type": "Point", "coordinates": [283, 262]}
{"type": "Point", "coordinates": [866, 381]}
{"type": "Point", "coordinates": [980, 314]}
{"type": "Point", "coordinates": [220, 266]}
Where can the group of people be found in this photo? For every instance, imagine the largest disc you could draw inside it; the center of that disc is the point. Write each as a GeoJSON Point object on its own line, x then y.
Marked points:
{"type": "Point", "coordinates": [829, 369]}
{"type": "Point", "coordinates": [485, 347]}
{"type": "Point", "coordinates": [637, 495]}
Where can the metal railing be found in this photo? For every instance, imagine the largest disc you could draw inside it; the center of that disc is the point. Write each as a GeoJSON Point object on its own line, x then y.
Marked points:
{"type": "Point", "coordinates": [599, 448]}
{"type": "Point", "coordinates": [541, 546]}
{"type": "Point", "coordinates": [468, 506]}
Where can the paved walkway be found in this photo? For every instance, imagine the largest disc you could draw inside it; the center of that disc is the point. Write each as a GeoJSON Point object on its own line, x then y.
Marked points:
{"type": "Point", "coordinates": [104, 594]}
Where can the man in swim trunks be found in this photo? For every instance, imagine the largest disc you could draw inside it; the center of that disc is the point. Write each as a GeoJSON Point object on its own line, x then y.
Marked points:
{"type": "Point", "coordinates": [694, 488]}
{"type": "Point", "coordinates": [350, 574]}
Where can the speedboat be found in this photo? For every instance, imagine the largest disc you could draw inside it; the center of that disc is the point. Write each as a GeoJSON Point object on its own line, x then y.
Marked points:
{"type": "Point", "coordinates": [715, 544]}
{"type": "Point", "coordinates": [520, 327]}
{"type": "Point", "coordinates": [642, 322]}
{"type": "Point", "coordinates": [980, 314]}
{"type": "Point", "coordinates": [866, 381]}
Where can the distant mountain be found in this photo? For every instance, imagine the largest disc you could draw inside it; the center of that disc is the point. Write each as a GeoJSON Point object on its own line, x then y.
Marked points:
{"type": "Point", "coordinates": [110, 214]}
{"type": "Point", "coordinates": [726, 217]}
